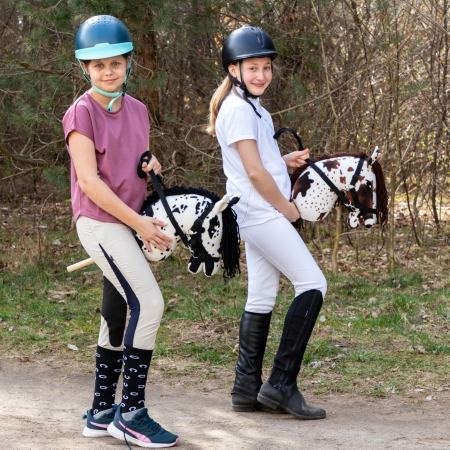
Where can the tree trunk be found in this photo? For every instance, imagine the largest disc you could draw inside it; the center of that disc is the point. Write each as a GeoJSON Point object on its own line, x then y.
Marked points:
{"type": "Point", "coordinates": [149, 62]}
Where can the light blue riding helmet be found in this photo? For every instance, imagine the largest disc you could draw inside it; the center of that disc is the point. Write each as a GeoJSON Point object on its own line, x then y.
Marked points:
{"type": "Point", "coordinates": [103, 37]}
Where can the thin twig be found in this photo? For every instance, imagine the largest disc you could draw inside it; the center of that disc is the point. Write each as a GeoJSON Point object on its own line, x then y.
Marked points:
{"type": "Point", "coordinates": [32, 162]}
{"type": "Point", "coordinates": [19, 173]}
{"type": "Point", "coordinates": [35, 69]}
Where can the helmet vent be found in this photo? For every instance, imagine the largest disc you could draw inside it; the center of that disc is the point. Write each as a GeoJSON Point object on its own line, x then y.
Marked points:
{"type": "Point", "coordinates": [102, 37]}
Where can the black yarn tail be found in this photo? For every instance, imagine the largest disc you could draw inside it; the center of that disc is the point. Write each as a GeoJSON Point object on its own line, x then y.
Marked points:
{"type": "Point", "coordinates": [231, 250]}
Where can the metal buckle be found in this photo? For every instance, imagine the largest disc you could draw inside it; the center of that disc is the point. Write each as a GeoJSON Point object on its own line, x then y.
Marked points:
{"type": "Point", "coordinates": [351, 207]}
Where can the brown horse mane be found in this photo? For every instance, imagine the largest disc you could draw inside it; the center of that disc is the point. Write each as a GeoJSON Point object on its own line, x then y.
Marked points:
{"type": "Point", "coordinates": [382, 194]}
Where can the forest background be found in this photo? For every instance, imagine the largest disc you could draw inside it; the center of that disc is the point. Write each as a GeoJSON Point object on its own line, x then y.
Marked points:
{"type": "Point", "coordinates": [350, 75]}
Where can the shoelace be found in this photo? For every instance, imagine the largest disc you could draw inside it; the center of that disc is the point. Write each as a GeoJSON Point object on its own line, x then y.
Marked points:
{"type": "Point", "coordinates": [126, 442]}
{"type": "Point", "coordinates": [147, 422]}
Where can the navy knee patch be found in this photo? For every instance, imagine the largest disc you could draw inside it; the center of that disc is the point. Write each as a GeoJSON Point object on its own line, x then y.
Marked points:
{"type": "Point", "coordinates": [114, 311]}
{"type": "Point", "coordinates": [132, 301]}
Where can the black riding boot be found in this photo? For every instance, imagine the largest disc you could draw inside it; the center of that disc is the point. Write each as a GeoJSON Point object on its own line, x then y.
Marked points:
{"type": "Point", "coordinates": [253, 332]}
{"type": "Point", "coordinates": [280, 390]}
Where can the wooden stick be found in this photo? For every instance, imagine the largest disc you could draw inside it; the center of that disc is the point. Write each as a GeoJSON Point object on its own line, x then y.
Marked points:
{"type": "Point", "coordinates": [80, 265]}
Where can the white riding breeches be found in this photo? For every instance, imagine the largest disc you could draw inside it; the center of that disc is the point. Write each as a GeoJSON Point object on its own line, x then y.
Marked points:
{"type": "Point", "coordinates": [115, 251]}
{"type": "Point", "coordinates": [273, 247]}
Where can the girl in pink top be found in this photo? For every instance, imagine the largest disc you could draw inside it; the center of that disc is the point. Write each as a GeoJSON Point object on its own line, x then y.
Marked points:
{"type": "Point", "coordinates": [107, 133]}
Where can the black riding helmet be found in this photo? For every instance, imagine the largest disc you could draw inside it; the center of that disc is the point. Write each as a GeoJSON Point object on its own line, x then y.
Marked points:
{"type": "Point", "coordinates": [247, 42]}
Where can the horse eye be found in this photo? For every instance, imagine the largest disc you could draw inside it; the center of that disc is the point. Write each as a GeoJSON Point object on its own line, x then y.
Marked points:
{"type": "Point", "coordinates": [369, 185]}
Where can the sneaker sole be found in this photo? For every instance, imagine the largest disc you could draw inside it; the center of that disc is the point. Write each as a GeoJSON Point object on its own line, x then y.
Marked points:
{"type": "Point", "coordinates": [90, 433]}
{"type": "Point", "coordinates": [118, 434]}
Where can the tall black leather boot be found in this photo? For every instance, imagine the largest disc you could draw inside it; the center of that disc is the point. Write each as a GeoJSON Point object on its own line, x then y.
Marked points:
{"type": "Point", "coordinates": [280, 390]}
{"type": "Point", "coordinates": [253, 332]}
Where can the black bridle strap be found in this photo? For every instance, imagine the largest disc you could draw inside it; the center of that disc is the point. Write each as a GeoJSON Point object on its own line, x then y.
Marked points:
{"type": "Point", "coordinates": [345, 201]}
{"type": "Point", "coordinates": [350, 207]}
{"type": "Point", "coordinates": [163, 199]}
{"type": "Point", "coordinates": [362, 209]}
{"type": "Point", "coordinates": [313, 166]}
{"type": "Point", "coordinates": [192, 244]}
{"type": "Point", "coordinates": [354, 194]}
{"type": "Point", "coordinates": [290, 130]}
{"type": "Point", "coordinates": [355, 176]}
{"type": "Point", "coordinates": [198, 222]}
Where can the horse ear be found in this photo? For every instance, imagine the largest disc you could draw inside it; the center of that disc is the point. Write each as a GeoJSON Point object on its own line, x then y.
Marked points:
{"type": "Point", "coordinates": [221, 204]}
{"type": "Point", "coordinates": [234, 199]}
{"type": "Point", "coordinates": [226, 201]}
{"type": "Point", "coordinates": [376, 156]}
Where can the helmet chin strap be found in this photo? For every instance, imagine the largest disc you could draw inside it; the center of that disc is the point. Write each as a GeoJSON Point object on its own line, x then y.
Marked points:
{"type": "Point", "coordinates": [241, 84]}
{"type": "Point", "coordinates": [116, 95]}
{"type": "Point", "coordinates": [245, 92]}
{"type": "Point", "coordinates": [113, 95]}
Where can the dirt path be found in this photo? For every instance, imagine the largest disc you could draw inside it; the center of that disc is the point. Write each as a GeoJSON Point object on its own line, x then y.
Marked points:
{"type": "Point", "coordinates": [41, 405]}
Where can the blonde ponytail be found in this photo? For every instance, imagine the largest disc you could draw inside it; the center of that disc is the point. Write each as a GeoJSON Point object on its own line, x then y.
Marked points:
{"type": "Point", "coordinates": [216, 102]}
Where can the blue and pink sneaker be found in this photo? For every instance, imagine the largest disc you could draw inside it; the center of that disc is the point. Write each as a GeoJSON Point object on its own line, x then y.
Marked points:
{"type": "Point", "coordinates": [98, 427]}
{"type": "Point", "coordinates": [141, 430]}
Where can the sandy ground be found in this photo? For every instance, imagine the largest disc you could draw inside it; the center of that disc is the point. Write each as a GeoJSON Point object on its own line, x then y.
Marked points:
{"type": "Point", "coordinates": [41, 405]}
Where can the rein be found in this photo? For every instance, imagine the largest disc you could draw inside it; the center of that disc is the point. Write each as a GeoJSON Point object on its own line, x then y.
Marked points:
{"type": "Point", "coordinates": [191, 243]}
{"type": "Point", "coordinates": [351, 207]}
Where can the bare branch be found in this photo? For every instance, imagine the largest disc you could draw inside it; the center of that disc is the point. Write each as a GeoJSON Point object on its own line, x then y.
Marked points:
{"type": "Point", "coordinates": [35, 69]}
{"type": "Point", "coordinates": [22, 160]}
{"type": "Point", "coordinates": [18, 174]}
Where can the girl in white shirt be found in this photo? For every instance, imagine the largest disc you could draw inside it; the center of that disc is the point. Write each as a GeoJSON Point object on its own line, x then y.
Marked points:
{"type": "Point", "coordinates": [254, 167]}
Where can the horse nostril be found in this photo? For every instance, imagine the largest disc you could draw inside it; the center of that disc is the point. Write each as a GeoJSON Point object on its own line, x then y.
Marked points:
{"type": "Point", "coordinates": [368, 226]}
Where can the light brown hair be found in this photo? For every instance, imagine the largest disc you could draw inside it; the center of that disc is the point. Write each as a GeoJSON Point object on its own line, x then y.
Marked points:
{"type": "Point", "coordinates": [216, 102]}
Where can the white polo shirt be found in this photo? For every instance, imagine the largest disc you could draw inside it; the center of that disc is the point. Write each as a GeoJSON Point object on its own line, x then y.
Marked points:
{"type": "Point", "coordinates": [235, 122]}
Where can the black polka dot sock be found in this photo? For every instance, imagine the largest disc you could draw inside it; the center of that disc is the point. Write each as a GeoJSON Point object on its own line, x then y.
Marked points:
{"type": "Point", "coordinates": [108, 365]}
{"type": "Point", "coordinates": [135, 368]}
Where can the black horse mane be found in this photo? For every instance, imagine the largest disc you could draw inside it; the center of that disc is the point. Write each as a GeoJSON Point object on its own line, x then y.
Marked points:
{"type": "Point", "coordinates": [382, 194]}
{"type": "Point", "coordinates": [181, 190]}
{"type": "Point", "coordinates": [229, 245]}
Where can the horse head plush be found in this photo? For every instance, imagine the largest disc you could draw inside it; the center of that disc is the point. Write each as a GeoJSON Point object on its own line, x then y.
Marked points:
{"type": "Point", "coordinates": [215, 236]}
{"type": "Point", "coordinates": [358, 177]}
